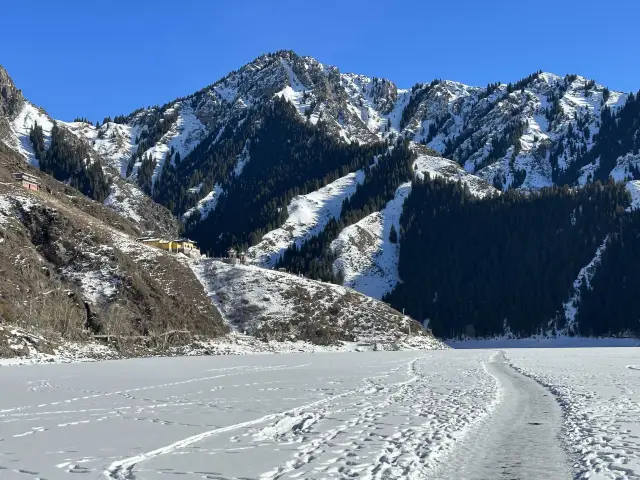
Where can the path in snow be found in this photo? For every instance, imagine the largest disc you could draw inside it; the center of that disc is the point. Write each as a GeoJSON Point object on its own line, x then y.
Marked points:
{"type": "Point", "coordinates": [520, 440]}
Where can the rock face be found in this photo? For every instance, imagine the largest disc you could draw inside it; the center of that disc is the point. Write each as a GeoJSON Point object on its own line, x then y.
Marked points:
{"type": "Point", "coordinates": [10, 100]}
{"type": "Point", "coordinates": [10, 96]}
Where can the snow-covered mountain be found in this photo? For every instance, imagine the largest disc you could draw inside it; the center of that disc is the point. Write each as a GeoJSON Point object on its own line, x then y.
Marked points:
{"type": "Point", "coordinates": [510, 134]}
{"type": "Point", "coordinates": [18, 117]}
{"type": "Point", "coordinates": [526, 134]}
{"type": "Point", "coordinates": [267, 157]}
{"type": "Point", "coordinates": [523, 134]}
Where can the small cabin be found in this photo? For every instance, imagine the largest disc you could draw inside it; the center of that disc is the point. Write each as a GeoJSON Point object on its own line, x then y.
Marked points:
{"type": "Point", "coordinates": [232, 253]}
{"type": "Point", "coordinates": [28, 181]}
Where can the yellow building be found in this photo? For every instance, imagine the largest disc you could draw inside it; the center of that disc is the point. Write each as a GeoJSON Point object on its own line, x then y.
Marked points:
{"type": "Point", "coordinates": [152, 242]}
{"type": "Point", "coordinates": [180, 245]}
{"type": "Point", "coordinates": [168, 245]}
{"type": "Point", "coordinates": [186, 246]}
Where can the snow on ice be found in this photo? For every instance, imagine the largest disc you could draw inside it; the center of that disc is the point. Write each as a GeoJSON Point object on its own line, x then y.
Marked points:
{"type": "Point", "coordinates": [305, 415]}
{"type": "Point", "coordinates": [597, 389]}
{"type": "Point", "coordinates": [375, 415]}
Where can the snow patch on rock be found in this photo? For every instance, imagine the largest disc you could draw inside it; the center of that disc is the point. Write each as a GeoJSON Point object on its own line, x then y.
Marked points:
{"type": "Point", "coordinates": [308, 215]}
{"type": "Point", "coordinates": [206, 205]}
{"type": "Point", "coordinates": [633, 188]}
{"type": "Point", "coordinates": [366, 258]}
{"type": "Point", "coordinates": [21, 126]}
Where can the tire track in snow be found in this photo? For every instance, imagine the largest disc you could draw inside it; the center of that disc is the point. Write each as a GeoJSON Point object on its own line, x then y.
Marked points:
{"type": "Point", "coordinates": [124, 469]}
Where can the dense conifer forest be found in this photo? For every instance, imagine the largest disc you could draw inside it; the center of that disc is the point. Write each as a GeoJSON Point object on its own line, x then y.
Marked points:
{"type": "Point", "coordinates": [68, 160]}
{"type": "Point", "coordinates": [610, 304]}
{"type": "Point", "coordinates": [473, 267]}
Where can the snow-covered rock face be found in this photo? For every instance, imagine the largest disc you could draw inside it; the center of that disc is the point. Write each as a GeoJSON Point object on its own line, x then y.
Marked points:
{"type": "Point", "coordinates": [206, 205]}
{"type": "Point", "coordinates": [308, 215]}
{"type": "Point", "coordinates": [451, 171]}
{"type": "Point", "coordinates": [25, 119]}
{"type": "Point", "coordinates": [634, 190]}
{"type": "Point", "coordinates": [546, 113]}
{"type": "Point", "coordinates": [366, 257]}
{"type": "Point", "coordinates": [112, 141]}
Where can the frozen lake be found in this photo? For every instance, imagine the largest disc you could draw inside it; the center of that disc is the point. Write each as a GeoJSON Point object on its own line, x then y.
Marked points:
{"type": "Point", "coordinates": [387, 415]}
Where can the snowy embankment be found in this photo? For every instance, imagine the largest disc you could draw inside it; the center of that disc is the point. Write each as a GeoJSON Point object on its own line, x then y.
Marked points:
{"type": "Point", "coordinates": [542, 342]}
{"type": "Point", "coordinates": [598, 391]}
{"type": "Point", "coordinates": [394, 415]}
{"type": "Point", "coordinates": [308, 215]}
{"type": "Point", "coordinates": [306, 314]}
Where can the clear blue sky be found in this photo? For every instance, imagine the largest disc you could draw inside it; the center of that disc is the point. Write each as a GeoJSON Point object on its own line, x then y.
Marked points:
{"type": "Point", "coordinates": [106, 57]}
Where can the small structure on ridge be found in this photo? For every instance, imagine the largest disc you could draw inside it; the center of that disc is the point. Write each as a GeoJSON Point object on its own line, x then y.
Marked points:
{"type": "Point", "coordinates": [29, 181]}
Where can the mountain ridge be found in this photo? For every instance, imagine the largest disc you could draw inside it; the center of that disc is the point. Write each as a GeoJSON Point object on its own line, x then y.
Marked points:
{"type": "Point", "coordinates": [264, 158]}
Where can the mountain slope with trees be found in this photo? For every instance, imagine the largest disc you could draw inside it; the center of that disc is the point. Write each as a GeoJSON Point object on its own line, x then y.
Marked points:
{"type": "Point", "coordinates": [480, 267]}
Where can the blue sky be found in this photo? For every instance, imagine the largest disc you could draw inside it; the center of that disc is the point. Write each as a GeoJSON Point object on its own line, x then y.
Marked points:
{"type": "Point", "coordinates": [96, 58]}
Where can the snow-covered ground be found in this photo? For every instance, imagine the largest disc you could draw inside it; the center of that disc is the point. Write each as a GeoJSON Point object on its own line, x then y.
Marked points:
{"type": "Point", "coordinates": [468, 414]}
{"type": "Point", "coordinates": [274, 305]}
{"type": "Point", "coordinates": [379, 415]}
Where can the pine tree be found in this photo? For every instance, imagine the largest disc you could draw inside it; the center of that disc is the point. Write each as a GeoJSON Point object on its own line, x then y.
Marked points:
{"type": "Point", "coordinates": [393, 235]}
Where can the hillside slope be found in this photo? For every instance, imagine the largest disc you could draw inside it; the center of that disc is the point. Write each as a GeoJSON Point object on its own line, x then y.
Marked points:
{"type": "Point", "coordinates": [310, 168]}
{"type": "Point", "coordinates": [273, 305]}
{"type": "Point", "coordinates": [71, 267]}
{"type": "Point", "coordinates": [19, 117]}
